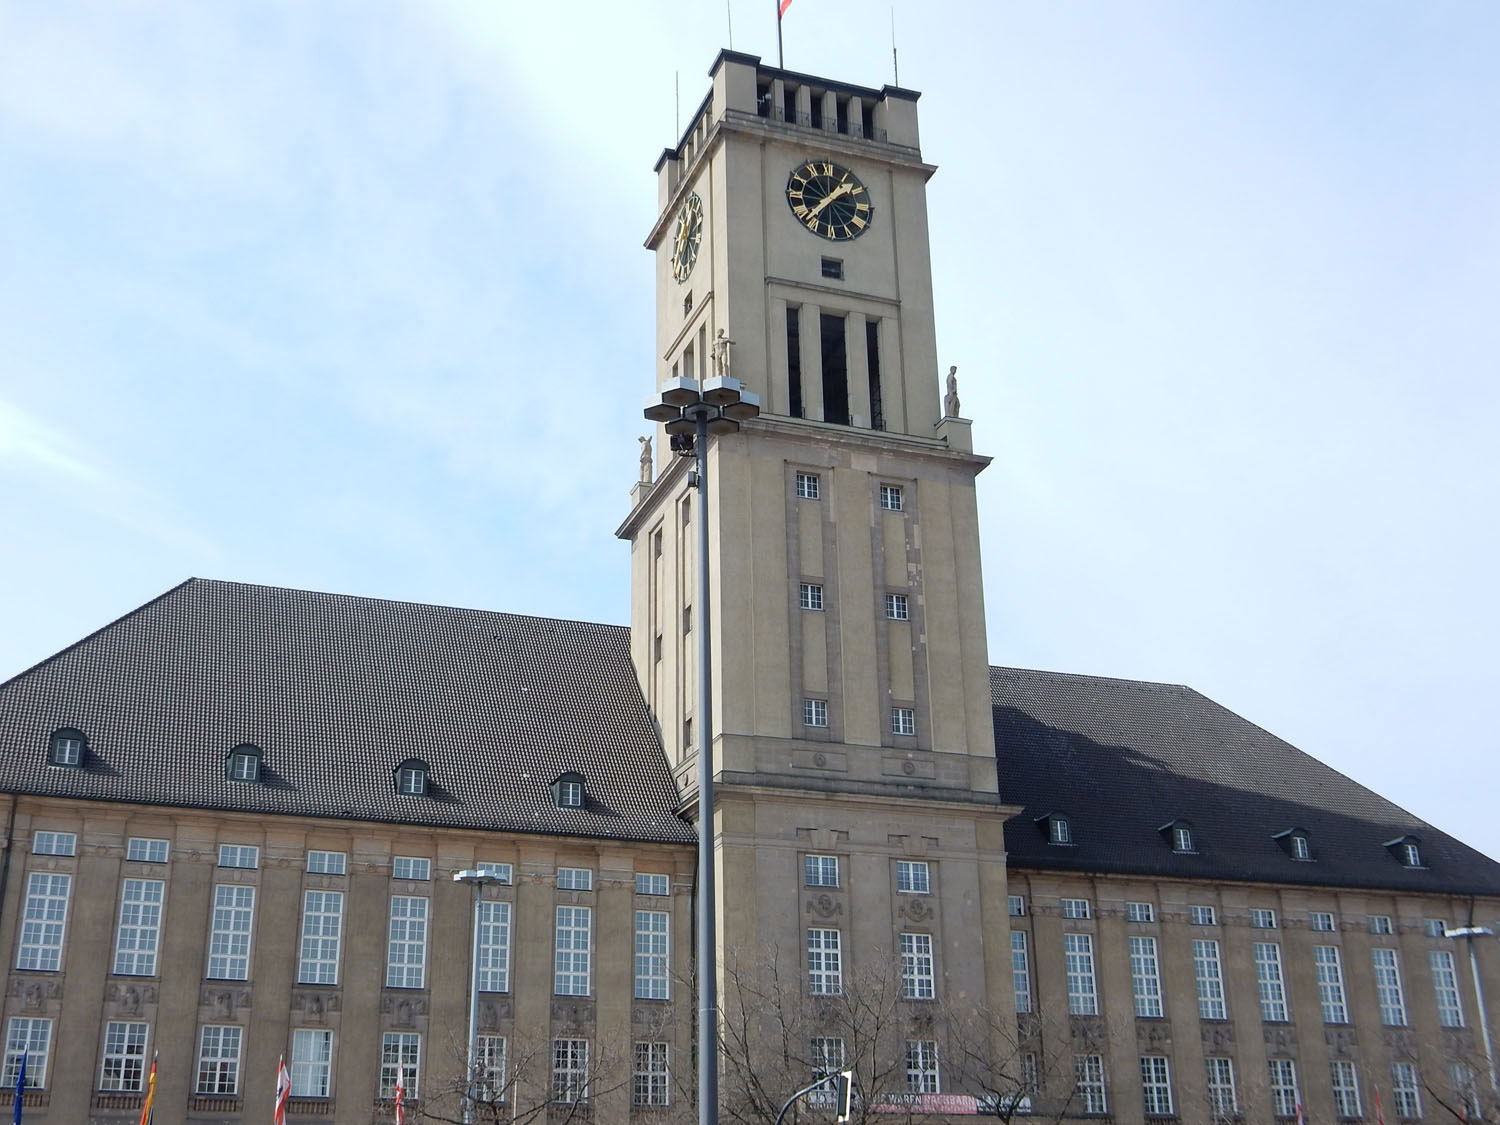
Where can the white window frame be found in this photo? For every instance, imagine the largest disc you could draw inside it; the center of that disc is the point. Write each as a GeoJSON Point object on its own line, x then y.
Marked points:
{"type": "Point", "coordinates": [54, 843]}
{"type": "Point", "coordinates": [231, 932]}
{"type": "Point", "coordinates": [122, 1066]}
{"type": "Point", "coordinates": [1182, 839]}
{"type": "Point", "coordinates": [1203, 916]}
{"type": "Point", "coordinates": [1380, 924]}
{"type": "Point", "coordinates": [1145, 978]}
{"type": "Point", "coordinates": [570, 1071]}
{"type": "Point", "coordinates": [1322, 922]}
{"type": "Point", "coordinates": [322, 937]}
{"type": "Point", "coordinates": [1281, 1075]}
{"type": "Point", "coordinates": [1406, 1090]}
{"type": "Point", "coordinates": [312, 1062]}
{"type": "Point", "coordinates": [138, 932]}
{"type": "Point", "coordinates": [1262, 919]}
{"type": "Point", "coordinates": [1083, 986]}
{"type": "Point", "coordinates": [652, 885]}
{"type": "Point", "coordinates": [923, 1075]}
{"type": "Point", "coordinates": [653, 955]}
{"type": "Point", "coordinates": [820, 870]}
{"type": "Point", "coordinates": [144, 849]}
{"type": "Point", "coordinates": [1156, 1085]}
{"type": "Point", "coordinates": [1344, 1079]}
{"type": "Point", "coordinates": [891, 498]}
{"type": "Point", "coordinates": [494, 946]}
{"type": "Point", "coordinates": [400, 1057]}
{"type": "Point", "coordinates": [815, 713]}
{"type": "Point", "coordinates": [904, 721]}
{"type": "Point", "coordinates": [1208, 975]}
{"type": "Point", "coordinates": [575, 879]}
{"type": "Point", "coordinates": [1139, 912]}
{"type": "Point", "coordinates": [810, 596]}
{"type": "Point", "coordinates": [218, 1072]}
{"type": "Point", "coordinates": [406, 942]}
{"type": "Point", "coordinates": [44, 922]}
{"type": "Point", "coordinates": [569, 794]}
{"type": "Point", "coordinates": [913, 877]}
{"type": "Point", "coordinates": [66, 750]}
{"type": "Point", "coordinates": [1388, 988]}
{"type": "Point", "coordinates": [1445, 987]}
{"type": "Point", "coordinates": [825, 962]}
{"type": "Point", "coordinates": [1270, 982]}
{"type": "Point", "coordinates": [243, 856]}
{"type": "Point", "coordinates": [1465, 1085]}
{"type": "Point", "coordinates": [573, 963]}
{"type": "Point", "coordinates": [1059, 830]}
{"type": "Point", "coordinates": [1301, 849]}
{"type": "Point", "coordinates": [1016, 905]}
{"type": "Point", "coordinates": [490, 1063]}
{"type": "Point", "coordinates": [1222, 1099]}
{"type": "Point", "coordinates": [1435, 927]}
{"type": "Point", "coordinates": [412, 868]}
{"type": "Point", "coordinates": [650, 1083]}
{"type": "Point", "coordinates": [30, 1036]}
{"type": "Point", "coordinates": [327, 863]}
{"type": "Point", "coordinates": [809, 486]}
{"type": "Point", "coordinates": [244, 765]}
{"type": "Point", "coordinates": [1020, 970]}
{"type": "Point", "coordinates": [827, 1055]}
{"type": "Point", "coordinates": [918, 980]}
{"type": "Point", "coordinates": [897, 608]}
{"type": "Point", "coordinates": [1076, 908]}
{"type": "Point", "coordinates": [1329, 966]}
{"type": "Point", "coordinates": [1088, 1076]}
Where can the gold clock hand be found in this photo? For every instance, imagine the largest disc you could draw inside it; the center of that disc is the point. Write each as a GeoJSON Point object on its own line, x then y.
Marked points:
{"type": "Point", "coordinates": [842, 189]}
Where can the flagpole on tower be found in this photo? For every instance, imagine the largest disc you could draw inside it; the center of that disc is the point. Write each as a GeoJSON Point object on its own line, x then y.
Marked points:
{"type": "Point", "coordinates": [780, 11]}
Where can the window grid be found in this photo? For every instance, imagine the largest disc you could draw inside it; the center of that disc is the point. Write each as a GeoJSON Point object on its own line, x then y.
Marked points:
{"type": "Point", "coordinates": [1388, 987]}
{"type": "Point", "coordinates": [1156, 1086]}
{"type": "Point", "coordinates": [244, 766]}
{"type": "Point", "coordinates": [326, 863]}
{"type": "Point", "coordinates": [651, 885]}
{"type": "Point", "coordinates": [651, 955]}
{"type": "Point", "coordinates": [922, 1067]}
{"type": "Point", "coordinates": [1202, 916]}
{"type": "Point", "coordinates": [1076, 908]}
{"type": "Point", "coordinates": [322, 929]}
{"type": "Point", "coordinates": [917, 979]}
{"type": "Point", "coordinates": [124, 1065]}
{"type": "Point", "coordinates": [43, 922]}
{"type": "Point", "coordinates": [1270, 983]}
{"type": "Point", "coordinates": [1020, 970]}
{"type": "Point", "coordinates": [1322, 922]}
{"type": "Point", "coordinates": [1404, 1090]}
{"type": "Point", "coordinates": [575, 879]}
{"type": "Point", "coordinates": [1139, 912]}
{"type": "Point", "coordinates": [913, 877]}
{"type": "Point", "coordinates": [1283, 1078]}
{"type": "Point", "coordinates": [1208, 971]}
{"type": "Point", "coordinates": [827, 1054]}
{"type": "Point", "coordinates": [140, 927]}
{"type": "Point", "coordinates": [494, 946]}
{"type": "Point", "coordinates": [810, 596]}
{"type": "Point", "coordinates": [1083, 995]}
{"type": "Point", "coordinates": [141, 850]}
{"type": "Point", "coordinates": [825, 974]}
{"type": "Point", "coordinates": [1380, 924]}
{"type": "Point", "coordinates": [650, 1087]}
{"type": "Point", "coordinates": [239, 855]}
{"type": "Point", "coordinates": [411, 781]}
{"type": "Point", "coordinates": [1016, 904]}
{"type": "Point", "coordinates": [571, 965]}
{"type": "Point", "coordinates": [400, 1058]}
{"type": "Point", "coordinates": [229, 938]}
{"type": "Point", "coordinates": [1088, 1073]}
{"type": "Point", "coordinates": [31, 1037]}
{"type": "Point", "coordinates": [67, 750]}
{"type": "Point", "coordinates": [54, 843]}
{"type": "Point", "coordinates": [897, 607]}
{"type": "Point", "coordinates": [411, 867]}
{"type": "Point", "coordinates": [815, 712]}
{"type": "Point", "coordinates": [890, 497]}
{"type": "Point", "coordinates": [1345, 1088]}
{"type": "Point", "coordinates": [1145, 977]}
{"type": "Point", "coordinates": [1221, 1097]}
{"type": "Point", "coordinates": [1330, 983]}
{"type": "Point", "coordinates": [570, 1070]}
{"type": "Point", "coordinates": [821, 870]}
{"type": "Point", "coordinates": [807, 486]}
{"type": "Point", "coordinates": [1445, 984]}
{"type": "Point", "coordinates": [406, 947]}
{"type": "Point", "coordinates": [489, 1060]}
{"type": "Point", "coordinates": [1262, 919]}
{"type": "Point", "coordinates": [1434, 927]}
{"type": "Point", "coordinates": [903, 721]}
{"type": "Point", "coordinates": [1465, 1090]}
{"type": "Point", "coordinates": [312, 1062]}
{"type": "Point", "coordinates": [219, 1060]}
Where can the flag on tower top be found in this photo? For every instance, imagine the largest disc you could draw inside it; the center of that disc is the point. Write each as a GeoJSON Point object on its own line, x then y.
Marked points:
{"type": "Point", "coordinates": [781, 7]}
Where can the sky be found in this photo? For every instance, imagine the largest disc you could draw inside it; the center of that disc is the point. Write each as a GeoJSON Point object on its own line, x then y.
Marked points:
{"type": "Point", "coordinates": [352, 297]}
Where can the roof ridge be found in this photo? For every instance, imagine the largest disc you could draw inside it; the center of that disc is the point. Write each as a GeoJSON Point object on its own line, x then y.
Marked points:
{"type": "Point", "coordinates": [1091, 676]}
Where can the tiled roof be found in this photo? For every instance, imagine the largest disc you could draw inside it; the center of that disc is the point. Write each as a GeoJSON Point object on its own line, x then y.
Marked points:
{"type": "Point", "coordinates": [1122, 759]}
{"type": "Point", "coordinates": [337, 691]}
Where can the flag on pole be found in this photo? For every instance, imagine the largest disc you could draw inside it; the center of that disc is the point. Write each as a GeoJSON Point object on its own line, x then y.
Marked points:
{"type": "Point", "coordinates": [146, 1109]}
{"type": "Point", "coordinates": [400, 1099]}
{"type": "Point", "coordinates": [283, 1091]}
{"type": "Point", "coordinates": [1379, 1112]}
{"type": "Point", "coordinates": [781, 7]}
{"type": "Point", "coordinates": [21, 1083]}
{"type": "Point", "coordinates": [1299, 1114]}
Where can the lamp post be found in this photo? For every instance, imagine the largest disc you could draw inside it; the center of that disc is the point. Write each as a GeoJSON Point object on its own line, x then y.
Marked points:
{"type": "Point", "coordinates": [691, 413]}
{"type": "Point", "coordinates": [477, 879]}
{"type": "Point", "coordinates": [1469, 933]}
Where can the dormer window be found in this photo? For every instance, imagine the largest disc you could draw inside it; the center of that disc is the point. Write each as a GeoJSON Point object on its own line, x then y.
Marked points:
{"type": "Point", "coordinates": [1301, 849]}
{"type": "Point", "coordinates": [567, 791]}
{"type": "Point", "coordinates": [1059, 828]}
{"type": "Point", "coordinates": [243, 763]}
{"type": "Point", "coordinates": [67, 747]}
{"type": "Point", "coordinates": [1179, 834]}
{"type": "Point", "coordinates": [1296, 843]}
{"type": "Point", "coordinates": [1407, 850]}
{"type": "Point", "coordinates": [411, 778]}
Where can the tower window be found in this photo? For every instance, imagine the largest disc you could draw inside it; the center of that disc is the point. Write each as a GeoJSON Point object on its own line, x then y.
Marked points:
{"type": "Point", "coordinates": [896, 607]}
{"type": "Point", "coordinates": [567, 791]}
{"type": "Point", "coordinates": [815, 712]}
{"type": "Point", "coordinates": [810, 596]}
{"type": "Point", "coordinates": [411, 778]}
{"type": "Point", "coordinates": [872, 358]}
{"type": "Point", "coordinates": [66, 748]}
{"type": "Point", "coordinates": [687, 303]}
{"type": "Point", "coordinates": [794, 361]}
{"type": "Point", "coordinates": [833, 269]}
{"type": "Point", "coordinates": [890, 497]}
{"type": "Point", "coordinates": [807, 486]}
{"type": "Point", "coordinates": [243, 763]}
{"type": "Point", "coordinates": [835, 370]}
{"type": "Point", "coordinates": [903, 720]}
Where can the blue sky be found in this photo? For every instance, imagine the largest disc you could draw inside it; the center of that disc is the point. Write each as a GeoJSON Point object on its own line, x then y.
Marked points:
{"type": "Point", "coordinates": [351, 296]}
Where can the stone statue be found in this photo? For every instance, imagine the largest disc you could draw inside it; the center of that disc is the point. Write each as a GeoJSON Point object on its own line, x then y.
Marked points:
{"type": "Point", "coordinates": [722, 344]}
{"type": "Point", "coordinates": [950, 400]}
{"type": "Point", "coordinates": [645, 459]}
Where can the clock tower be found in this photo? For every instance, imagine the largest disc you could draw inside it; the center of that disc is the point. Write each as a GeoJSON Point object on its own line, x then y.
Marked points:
{"type": "Point", "coordinates": [851, 698]}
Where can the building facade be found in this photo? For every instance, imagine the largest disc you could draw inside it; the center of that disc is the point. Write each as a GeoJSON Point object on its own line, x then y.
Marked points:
{"type": "Point", "coordinates": [234, 816]}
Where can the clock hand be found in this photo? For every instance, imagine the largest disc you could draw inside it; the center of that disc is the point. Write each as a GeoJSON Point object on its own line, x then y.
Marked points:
{"type": "Point", "coordinates": [843, 189]}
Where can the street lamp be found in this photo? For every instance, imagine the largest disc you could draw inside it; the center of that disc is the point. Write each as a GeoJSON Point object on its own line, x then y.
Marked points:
{"type": "Point", "coordinates": [476, 878]}
{"type": "Point", "coordinates": [691, 413]}
{"type": "Point", "coordinates": [1469, 933]}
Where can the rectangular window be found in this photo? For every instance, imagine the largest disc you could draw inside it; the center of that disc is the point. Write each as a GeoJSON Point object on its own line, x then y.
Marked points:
{"type": "Point", "coordinates": [219, 1060]}
{"type": "Point", "coordinates": [872, 357]}
{"type": "Point", "coordinates": [1322, 922]}
{"type": "Point", "coordinates": [1434, 927]}
{"type": "Point", "coordinates": [494, 946]}
{"type": "Point", "coordinates": [489, 1060]}
{"type": "Point", "coordinates": [835, 367]}
{"type": "Point", "coordinates": [1221, 1097]}
{"type": "Point", "coordinates": [141, 850]}
{"type": "Point", "coordinates": [651, 885]}
{"type": "Point", "coordinates": [1088, 1073]}
{"type": "Point", "coordinates": [239, 855]}
{"type": "Point", "coordinates": [896, 607]}
{"type": "Point", "coordinates": [1156, 1086]}
{"type": "Point", "coordinates": [794, 371]}
{"type": "Point", "coordinates": [1075, 908]}
{"type": "Point", "coordinates": [1202, 916]}
{"type": "Point", "coordinates": [1445, 982]}
{"type": "Point", "coordinates": [890, 497]}
{"type": "Point", "coordinates": [827, 1054]}
{"type": "Point", "coordinates": [326, 863]}
{"type": "Point", "coordinates": [575, 879]}
{"type": "Point", "coordinates": [322, 929]}
{"type": "Point", "coordinates": [903, 720]}
{"type": "Point", "coordinates": [825, 972]}
{"type": "Point", "coordinates": [821, 870]}
{"type": "Point", "coordinates": [1017, 905]}
{"type": "Point", "coordinates": [572, 953]}
{"type": "Point", "coordinates": [1345, 1088]}
{"type": "Point", "coordinates": [1083, 994]}
{"type": "Point", "coordinates": [229, 936]}
{"type": "Point", "coordinates": [500, 871]}
{"type": "Point", "coordinates": [411, 867]}
{"type": "Point", "coordinates": [570, 1070]}
{"type": "Point", "coordinates": [833, 269]}
{"type": "Point", "coordinates": [140, 927]}
{"type": "Point", "coordinates": [651, 957]}
{"type": "Point", "coordinates": [1139, 912]}
{"type": "Point", "coordinates": [650, 1087]}
{"type": "Point", "coordinates": [1330, 983]}
{"type": "Point", "coordinates": [1270, 982]}
{"type": "Point", "coordinates": [810, 596]}
{"type": "Point", "coordinates": [1388, 987]}
{"type": "Point", "coordinates": [1145, 977]}
{"type": "Point", "coordinates": [1020, 970]}
{"type": "Point", "coordinates": [124, 1066]}
{"type": "Point", "coordinates": [815, 712]}
{"type": "Point", "coordinates": [312, 1063]}
{"type": "Point", "coordinates": [1465, 1091]}
{"type": "Point", "coordinates": [406, 947]}
{"type": "Point", "coordinates": [1380, 924]}
{"type": "Point", "coordinates": [1283, 1077]}
{"type": "Point", "coordinates": [808, 486]}
{"type": "Point", "coordinates": [922, 1067]}
{"type": "Point", "coordinates": [1404, 1090]}
{"type": "Point", "coordinates": [54, 843]}
{"type": "Point", "coordinates": [913, 877]}
{"type": "Point", "coordinates": [33, 1039]}
{"type": "Point", "coordinates": [1209, 974]}
{"type": "Point", "coordinates": [1263, 919]}
{"type": "Point", "coordinates": [400, 1057]}
{"type": "Point", "coordinates": [917, 982]}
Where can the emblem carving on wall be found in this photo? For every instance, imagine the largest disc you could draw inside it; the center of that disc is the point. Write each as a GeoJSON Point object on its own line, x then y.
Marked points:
{"type": "Point", "coordinates": [1281, 1040]}
{"type": "Point", "coordinates": [493, 1012]}
{"type": "Point", "coordinates": [315, 1006]}
{"type": "Point", "coordinates": [917, 910]}
{"type": "Point", "coordinates": [35, 993]}
{"type": "Point", "coordinates": [130, 997]}
{"type": "Point", "coordinates": [403, 1010]}
{"type": "Point", "coordinates": [824, 906]}
{"type": "Point", "coordinates": [1218, 1037]}
{"type": "Point", "coordinates": [651, 1016]}
{"type": "Point", "coordinates": [1401, 1043]}
{"type": "Point", "coordinates": [1341, 1040]}
{"type": "Point", "coordinates": [1155, 1035]}
{"type": "Point", "coordinates": [572, 1013]}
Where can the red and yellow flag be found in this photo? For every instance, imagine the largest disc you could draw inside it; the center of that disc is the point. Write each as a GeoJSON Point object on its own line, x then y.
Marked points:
{"type": "Point", "coordinates": [150, 1093]}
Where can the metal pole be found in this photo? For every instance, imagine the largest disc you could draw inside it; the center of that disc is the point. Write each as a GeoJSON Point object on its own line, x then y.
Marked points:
{"type": "Point", "coordinates": [780, 61]}
{"type": "Point", "coordinates": [1484, 1019]}
{"type": "Point", "coordinates": [473, 1009]}
{"type": "Point", "coordinates": [708, 983]}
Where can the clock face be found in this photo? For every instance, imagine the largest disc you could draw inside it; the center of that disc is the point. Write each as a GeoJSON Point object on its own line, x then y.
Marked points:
{"type": "Point", "coordinates": [688, 237]}
{"type": "Point", "coordinates": [829, 200]}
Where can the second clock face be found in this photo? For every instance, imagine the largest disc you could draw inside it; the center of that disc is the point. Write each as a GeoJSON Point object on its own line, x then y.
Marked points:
{"type": "Point", "coordinates": [829, 200]}
{"type": "Point", "coordinates": [688, 237]}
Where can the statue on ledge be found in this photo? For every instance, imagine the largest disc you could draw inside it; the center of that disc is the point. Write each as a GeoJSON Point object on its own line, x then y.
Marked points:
{"type": "Point", "coordinates": [950, 400]}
